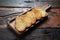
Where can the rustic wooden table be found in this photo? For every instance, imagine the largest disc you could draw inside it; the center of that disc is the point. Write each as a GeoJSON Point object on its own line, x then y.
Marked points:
{"type": "Point", "coordinates": [53, 21]}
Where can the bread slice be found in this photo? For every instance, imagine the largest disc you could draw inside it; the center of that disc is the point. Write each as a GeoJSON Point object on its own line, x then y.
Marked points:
{"type": "Point", "coordinates": [26, 20]}
{"type": "Point", "coordinates": [20, 25]}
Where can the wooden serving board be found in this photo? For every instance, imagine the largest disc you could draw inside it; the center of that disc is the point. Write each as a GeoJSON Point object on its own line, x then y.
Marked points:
{"type": "Point", "coordinates": [11, 23]}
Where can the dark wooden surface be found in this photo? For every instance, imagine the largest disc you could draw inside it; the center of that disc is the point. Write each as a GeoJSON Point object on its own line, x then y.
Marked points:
{"type": "Point", "coordinates": [36, 33]}
{"type": "Point", "coordinates": [42, 31]}
{"type": "Point", "coordinates": [54, 3]}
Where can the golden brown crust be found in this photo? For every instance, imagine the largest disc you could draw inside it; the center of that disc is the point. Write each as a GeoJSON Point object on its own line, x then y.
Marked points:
{"type": "Point", "coordinates": [20, 24]}
{"type": "Point", "coordinates": [26, 20]}
{"type": "Point", "coordinates": [37, 12]}
{"type": "Point", "coordinates": [32, 17]}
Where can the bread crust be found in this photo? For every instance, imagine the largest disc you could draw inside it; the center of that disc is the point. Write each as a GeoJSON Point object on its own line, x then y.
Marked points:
{"type": "Point", "coordinates": [26, 20]}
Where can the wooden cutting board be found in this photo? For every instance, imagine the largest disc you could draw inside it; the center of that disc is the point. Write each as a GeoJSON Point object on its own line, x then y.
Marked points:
{"type": "Point", "coordinates": [11, 23]}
